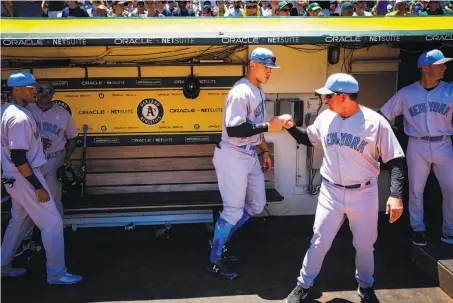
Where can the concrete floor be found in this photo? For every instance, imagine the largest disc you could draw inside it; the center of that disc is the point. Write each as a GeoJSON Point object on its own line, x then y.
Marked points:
{"type": "Point", "coordinates": [121, 266]}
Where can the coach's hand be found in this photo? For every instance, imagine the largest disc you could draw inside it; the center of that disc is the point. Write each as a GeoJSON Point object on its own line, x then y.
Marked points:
{"type": "Point", "coordinates": [394, 208]}
{"type": "Point", "coordinates": [267, 162]}
{"type": "Point", "coordinates": [42, 195]}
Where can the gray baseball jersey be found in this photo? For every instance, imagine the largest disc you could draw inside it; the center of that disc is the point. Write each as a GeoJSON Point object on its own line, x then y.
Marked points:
{"type": "Point", "coordinates": [426, 113]}
{"type": "Point", "coordinates": [353, 146]}
{"type": "Point", "coordinates": [244, 103]}
{"type": "Point", "coordinates": [55, 124]}
{"type": "Point", "coordinates": [19, 131]}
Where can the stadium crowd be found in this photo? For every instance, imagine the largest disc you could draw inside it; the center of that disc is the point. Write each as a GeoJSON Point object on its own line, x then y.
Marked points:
{"type": "Point", "coordinates": [201, 8]}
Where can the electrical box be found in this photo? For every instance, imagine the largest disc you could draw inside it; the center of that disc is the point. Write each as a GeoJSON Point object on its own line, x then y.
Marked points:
{"type": "Point", "coordinates": [314, 154]}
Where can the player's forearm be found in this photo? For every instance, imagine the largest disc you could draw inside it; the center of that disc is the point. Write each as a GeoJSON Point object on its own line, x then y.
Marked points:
{"type": "Point", "coordinates": [300, 135]}
{"type": "Point", "coordinates": [247, 130]}
{"type": "Point", "coordinates": [20, 161]}
{"type": "Point", "coordinates": [396, 178]}
{"type": "Point", "coordinates": [70, 147]}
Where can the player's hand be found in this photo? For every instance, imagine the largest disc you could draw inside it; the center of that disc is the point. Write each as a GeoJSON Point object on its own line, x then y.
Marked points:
{"type": "Point", "coordinates": [267, 162]}
{"type": "Point", "coordinates": [276, 124]}
{"type": "Point", "coordinates": [394, 208]}
{"type": "Point", "coordinates": [42, 195]}
{"type": "Point", "coordinates": [46, 143]}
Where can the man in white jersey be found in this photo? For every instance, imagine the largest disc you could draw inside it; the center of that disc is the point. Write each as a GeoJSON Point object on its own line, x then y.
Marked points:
{"type": "Point", "coordinates": [239, 172]}
{"type": "Point", "coordinates": [427, 107]}
{"type": "Point", "coordinates": [353, 138]}
{"type": "Point", "coordinates": [59, 135]}
{"type": "Point", "coordinates": [22, 159]}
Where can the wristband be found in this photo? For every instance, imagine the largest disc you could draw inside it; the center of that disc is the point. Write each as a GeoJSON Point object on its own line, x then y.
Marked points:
{"type": "Point", "coordinates": [34, 181]}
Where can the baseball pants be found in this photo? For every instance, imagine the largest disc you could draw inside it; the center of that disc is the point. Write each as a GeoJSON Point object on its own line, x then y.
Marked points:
{"type": "Point", "coordinates": [49, 170]}
{"type": "Point", "coordinates": [241, 182]}
{"type": "Point", "coordinates": [26, 211]}
{"type": "Point", "coordinates": [421, 156]}
{"type": "Point", "coordinates": [361, 208]}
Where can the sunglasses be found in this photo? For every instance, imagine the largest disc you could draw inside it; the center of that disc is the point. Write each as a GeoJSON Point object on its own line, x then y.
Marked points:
{"type": "Point", "coordinates": [44, 90]}
{"type": "Point", "coordinates": [286, 10]}
{"type": "Point", "coordinates": [251, 6]}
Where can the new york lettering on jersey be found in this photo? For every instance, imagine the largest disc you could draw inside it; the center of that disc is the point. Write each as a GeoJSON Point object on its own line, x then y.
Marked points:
{"type": "Point", "coordinates": [345, 139]}
{"type": "Point", "coordinates": [49, 128]}
{"type": "Point", "coordinates": [433, 107]}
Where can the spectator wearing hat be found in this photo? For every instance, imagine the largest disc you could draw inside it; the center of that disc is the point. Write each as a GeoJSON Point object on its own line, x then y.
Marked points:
{"type": "Point", "coordinates": [206, 9]}
{"type": "Point", "coordinates": [360, 9]}
{"type": "Point", "coordinates": [119, 9]}
{"type": "Point", "coordinates": [74, 10]}
{"type": "Point", "coordinates": [313, 9]}
{"type": "Point", "coordinates": [347, 9]}
{"type": "Point", "coordinates": [252, 9]}
{"type": "Point", "coordinates": [400, 9]}
{"type": "Point", "coordinates": [283, 9]}
{"type": "Point", "coordinates": [235, 10]}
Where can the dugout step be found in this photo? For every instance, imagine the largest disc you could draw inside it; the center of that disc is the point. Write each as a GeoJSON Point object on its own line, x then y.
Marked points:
{"type": "Point", "coordinates": [156, 200]}
{"type": "Point", "coordinates": [436, 260]}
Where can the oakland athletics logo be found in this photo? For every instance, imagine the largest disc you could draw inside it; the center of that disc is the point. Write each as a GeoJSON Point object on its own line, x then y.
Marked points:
{"type": "Point", "coordinates": [150, 111]}
{"type": "Point", "coordinates": [64, 105]}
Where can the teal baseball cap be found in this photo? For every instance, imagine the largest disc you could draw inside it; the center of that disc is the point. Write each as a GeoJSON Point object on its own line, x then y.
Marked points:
{"type": "Point", "coordinates": [263, 56]}
{"type": "Point", "coordinates": [434, 56]}
{"type": "Point", "coordinates": [18, 79]}
{"type": "Point", "coordinates": [282, 4]}
{"type": "Point", "coordinates": [313, 6]}
{"type": "Point", "coordinates": [347, 5]}
{"type": "Point", "coordinates": [339, 83]}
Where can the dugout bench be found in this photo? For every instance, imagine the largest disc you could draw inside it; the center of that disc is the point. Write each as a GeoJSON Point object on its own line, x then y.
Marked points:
{"type": "Point", "coordinates": [148, 185]}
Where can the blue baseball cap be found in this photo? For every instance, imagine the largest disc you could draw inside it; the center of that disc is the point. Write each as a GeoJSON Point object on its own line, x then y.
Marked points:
{"type": "Point", "coordinates": [263, 56]}
{"type": "Point", "coordinates": [434, 56]}
{"type": "Point", "coordinates": [339, 83]}
{"type": "Point", "coordinates": [21, 79]}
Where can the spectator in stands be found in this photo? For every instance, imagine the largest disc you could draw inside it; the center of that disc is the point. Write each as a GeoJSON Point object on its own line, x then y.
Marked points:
{"type": "Point", "coordinates": [283, 9]}
{"type": "Point", "coordinates": [183, 11]}
{"type": "Point", "coordinates": [140, 9]}
{"type": "Point", "coordinates": [347, 9]}
{"type": "Point", "coordinates": [54, 8]}
{"type": "Point", "coordinates": [160, 11]}
{"type": "Point", "coordinates": [269, 8]}
{"type": "Point", "coordinates": [416, 9]}
{"type": "Point", "coordinates": [400, 9]}
{"type": "Point", "coordinates": [360, 9]}
{"type": "Point", "coordinates": [73, 10]}
{"type": "Point", "coordinates": [171, 8]}
{"type": "Point", "coordinates": [433, 8]}
{"type": "Point", "coordinates": [27, 9]}
{"type": "Point", "coordinates": [207, 11]}
{"type": "Point", "coordinates": [252, 9]}
{"type": "Point", "coordinates": [150, 8]}
{"type": "Point", "coordinates": [313, 9]}
{"type": "Point", "coordinates": [301, 7]}
{"type": "Point", "coordinates": [380, 8]}
{"type": "Point", "coordinates": [235, 10]}
{"type": "Point", "coordinates": [333, 8]}
{"type": "Point", "coordinates": [219, 10]}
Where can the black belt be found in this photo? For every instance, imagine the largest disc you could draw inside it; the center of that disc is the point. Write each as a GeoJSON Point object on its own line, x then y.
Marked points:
{"type": "Point", "coordinates": [353, 186]}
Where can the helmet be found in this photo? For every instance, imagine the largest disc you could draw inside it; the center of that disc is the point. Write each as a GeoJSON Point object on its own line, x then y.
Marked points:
{"type": "Point", "coordinates": [68, 177]}
{"type": "Point", "coordinates": [191, 88]}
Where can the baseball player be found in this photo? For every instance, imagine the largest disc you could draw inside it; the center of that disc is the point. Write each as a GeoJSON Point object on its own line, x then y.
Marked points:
{"type": "Point", "coordinates": [239, 172]}
{"type": "Point", "coordinates": [59, 134]}
{"type": "Point", "coordinates": [22, 159]}
{"type": "Point", "coordinates": [427, 107]}
{"type": "Point", "coordinates": [353, 138]}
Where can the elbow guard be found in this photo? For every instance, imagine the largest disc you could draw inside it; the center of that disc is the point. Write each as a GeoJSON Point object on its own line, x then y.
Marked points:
{"type": "Point", "coordinates": [19, 157]}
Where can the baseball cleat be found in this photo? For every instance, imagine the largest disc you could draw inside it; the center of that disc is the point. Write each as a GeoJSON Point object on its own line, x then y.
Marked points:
{"type": "Point", "coordinates": [220, 270]}
{"type": "Point", "coordinates": [13, 272]}
{"type": "Point", "coordinates": [446, 239]}
{"type": "Point", "coordinates": [297, 295]}
{"type": "Point", "coordinates": [419, 238]}
{"type": "Point", "coordinates": [67, 278]}
{"type": "Point", "coordinates": [367, 295]}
